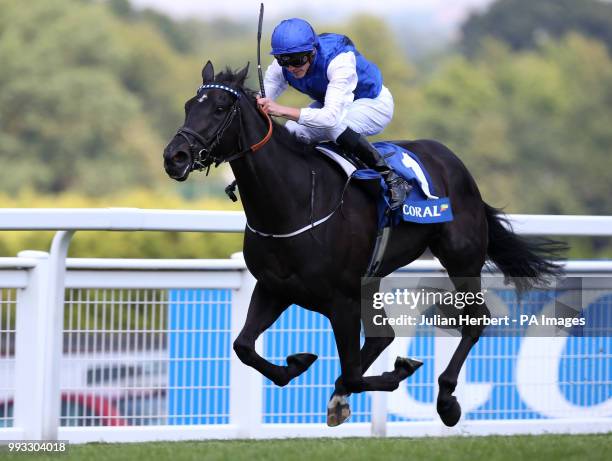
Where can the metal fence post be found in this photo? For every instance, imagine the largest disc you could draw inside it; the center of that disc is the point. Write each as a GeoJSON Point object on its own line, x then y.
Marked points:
{"type": "Point", "coordinates": [30, 327]}
{"type": "Point", "coordinates": [54, 308]}
{"type": "Point", "coordinates": [246, 384]}
{"type": "Point", "coordinates": [379, 399]}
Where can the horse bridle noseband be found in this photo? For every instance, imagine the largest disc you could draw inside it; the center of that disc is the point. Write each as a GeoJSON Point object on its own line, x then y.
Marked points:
{"type": "Point", "coordinates": [201, 150]}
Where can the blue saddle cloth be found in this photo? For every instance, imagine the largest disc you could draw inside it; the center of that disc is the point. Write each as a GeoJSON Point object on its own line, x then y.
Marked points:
{"type": "Point", "coordinates": [422, 205]}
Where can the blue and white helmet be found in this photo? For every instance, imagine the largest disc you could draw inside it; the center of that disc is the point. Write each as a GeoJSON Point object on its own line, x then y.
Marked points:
{"type": "Point", "coordinates": [293, 36]}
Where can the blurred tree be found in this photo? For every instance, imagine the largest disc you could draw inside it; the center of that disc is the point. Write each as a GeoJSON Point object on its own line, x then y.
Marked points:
{"type": "Point", "coordinates": [122, 8]}
{"type": "Point", "coordinates": [178, 36]}
{"type": "Point", "coordinates": [375, 39]}
{"type": "Point", "coordinates": [533, 127]}
{"type": "Point", "coordinates": [82, 102]}
{"type": "Point", "coordinates": [123, 244]}
{"type": "Point", "coordinates": [90, 92]}
{"type": "Point", "coordinates": [586, 137]}
{"type": "Point", "coordinates": [523, 24]}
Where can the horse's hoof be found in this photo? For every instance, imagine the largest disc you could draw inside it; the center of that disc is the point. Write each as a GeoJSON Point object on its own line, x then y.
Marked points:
{"type": "Point", "coordinates": [299, 363]}
{"type": "Point", "coordinates": [338, 410]}
{"type": "Point", "coordinates": [449, 411]}
{"type": "Point", "coordinates": [407, 366]}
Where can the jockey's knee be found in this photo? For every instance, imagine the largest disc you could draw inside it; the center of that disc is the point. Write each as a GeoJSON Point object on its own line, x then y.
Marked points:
{"type": "Point", "coordinates": [301, 132]}
{"type": "Point", "coordinates": [292, 126]}
{"type": "Point", "coordinates": [337, 130]}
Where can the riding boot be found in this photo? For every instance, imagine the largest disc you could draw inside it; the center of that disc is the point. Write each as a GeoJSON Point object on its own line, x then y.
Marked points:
{"type": "Point", "coordinates": [358, 144]}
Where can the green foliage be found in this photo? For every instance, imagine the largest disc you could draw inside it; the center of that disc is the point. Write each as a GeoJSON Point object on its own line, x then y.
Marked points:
{"type": "Point", "coordinates": [123, 244]}
{"type": "Point", "coordinates": [90, 92]}
{"type": "Point", "coordinates": [78, 95]}
{"type": "Point", "coordinates": [526, 24]}
{"type": "Point", "coordinates": [530, 126]}
{"type": "Point", "coordinates": [375, 40]}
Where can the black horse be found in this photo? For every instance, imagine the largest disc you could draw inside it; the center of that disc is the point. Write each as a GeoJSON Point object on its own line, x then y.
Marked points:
{"type": "Point", "coordinates": [286, 185]}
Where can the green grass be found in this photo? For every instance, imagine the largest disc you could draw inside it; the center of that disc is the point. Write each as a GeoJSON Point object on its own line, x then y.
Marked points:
{"type": "Point", "coordinates": [514, 448]}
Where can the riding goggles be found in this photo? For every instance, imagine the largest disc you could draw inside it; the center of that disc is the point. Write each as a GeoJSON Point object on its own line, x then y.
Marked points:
{"type": "Point", "coordinates": [293, 59]}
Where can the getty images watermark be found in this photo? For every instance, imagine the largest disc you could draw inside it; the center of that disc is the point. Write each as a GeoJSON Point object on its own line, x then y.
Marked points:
{"type": "Point", "coordinates": [410, 306]}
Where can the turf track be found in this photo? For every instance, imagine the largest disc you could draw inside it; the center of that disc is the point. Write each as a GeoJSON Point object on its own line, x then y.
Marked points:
{"type": "Point", "coordinates": [514, 448]}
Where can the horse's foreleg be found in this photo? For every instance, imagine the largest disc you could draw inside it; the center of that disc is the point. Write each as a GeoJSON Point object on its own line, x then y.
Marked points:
{"type": "Point", "coordinates": [373, 346]}
{"type": "Point", "coordinates": [338, 409]}
{"type": "Point", "coordinates": [264, 309]}
{"type": "Point", "coordinates": [346, 323]}
{"type": "Point", "coordinates": [370, 351]}
{"type": "Point", "coordinates": [447, 406]}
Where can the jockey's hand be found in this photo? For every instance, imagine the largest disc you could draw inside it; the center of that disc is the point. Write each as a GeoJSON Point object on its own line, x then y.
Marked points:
{"type": "Point", "coordinates": [270, 107]}
{"type": "Point", "coordinates": [273, 108]}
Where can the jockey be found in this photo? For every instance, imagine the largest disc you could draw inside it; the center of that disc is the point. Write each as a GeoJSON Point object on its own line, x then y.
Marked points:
{"type": "Point", "coordinates": [350, 101]}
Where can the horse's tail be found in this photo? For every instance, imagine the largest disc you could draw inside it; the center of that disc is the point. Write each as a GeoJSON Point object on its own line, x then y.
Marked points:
{"type": "Point", "coordinates": [526, 262]}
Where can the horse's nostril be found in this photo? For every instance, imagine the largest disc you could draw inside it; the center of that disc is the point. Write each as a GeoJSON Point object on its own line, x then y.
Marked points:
{"type": "Point", "coordinates": [180, 158]}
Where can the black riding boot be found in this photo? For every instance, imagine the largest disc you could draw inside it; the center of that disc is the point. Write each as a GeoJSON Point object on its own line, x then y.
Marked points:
{"type": "Point", "coordinates": [358, 144]}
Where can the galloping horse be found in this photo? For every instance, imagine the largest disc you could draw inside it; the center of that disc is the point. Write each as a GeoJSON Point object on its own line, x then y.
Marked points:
{"type": "Point", "coordinates": [286, 186]}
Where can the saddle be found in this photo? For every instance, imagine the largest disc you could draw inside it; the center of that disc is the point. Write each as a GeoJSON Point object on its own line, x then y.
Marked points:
{"type": "Point", "coordinates": [421, 205]}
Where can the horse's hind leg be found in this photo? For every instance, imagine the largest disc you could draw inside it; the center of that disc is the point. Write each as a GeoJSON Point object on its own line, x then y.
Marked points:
{"type": "Point", "coordinates": [462, 251]}
{"type": "Point", "coordinates": [447, 406]}
{"type": "Point", "coordinates": [462, 248]}
{"type": "Point", "coordinates": [264, 309]}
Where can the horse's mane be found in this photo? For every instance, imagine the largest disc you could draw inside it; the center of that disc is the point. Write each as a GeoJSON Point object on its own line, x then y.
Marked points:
{"type": "Point", "coordinates": [230, 77]}
{"type": "Point", "coordinates": [283, 135]}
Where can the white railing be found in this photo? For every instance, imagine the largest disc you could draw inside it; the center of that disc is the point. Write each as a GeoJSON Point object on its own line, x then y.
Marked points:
{"type": "Point", "coordinates": [40, 282]}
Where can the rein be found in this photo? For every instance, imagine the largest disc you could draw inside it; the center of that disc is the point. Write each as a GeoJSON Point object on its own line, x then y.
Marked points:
{"type": "Point", "coordinates": [255, 147]}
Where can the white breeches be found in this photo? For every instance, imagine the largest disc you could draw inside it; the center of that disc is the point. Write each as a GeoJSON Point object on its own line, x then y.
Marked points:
{"type": "Point", "coordinates": [365, 116]}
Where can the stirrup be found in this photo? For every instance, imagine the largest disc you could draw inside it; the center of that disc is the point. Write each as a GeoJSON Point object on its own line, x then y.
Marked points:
{"type": "Point", "coordinates": [231, 191]}
{"type": "Point", "coordinates": [398, 190]}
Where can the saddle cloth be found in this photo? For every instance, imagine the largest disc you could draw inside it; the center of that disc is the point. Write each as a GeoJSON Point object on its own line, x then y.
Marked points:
{"type": "Point", "coordinates": [421, 205]}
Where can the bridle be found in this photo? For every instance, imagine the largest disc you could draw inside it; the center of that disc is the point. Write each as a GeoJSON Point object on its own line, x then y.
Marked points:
{"type": "Point", "coordinates": [202, 150]}
{"type": "Point", "coordinates": [202, 155]}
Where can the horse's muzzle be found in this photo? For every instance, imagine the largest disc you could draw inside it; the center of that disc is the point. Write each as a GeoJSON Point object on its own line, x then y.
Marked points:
{"type": "Point", "coordinates": [177, 164]}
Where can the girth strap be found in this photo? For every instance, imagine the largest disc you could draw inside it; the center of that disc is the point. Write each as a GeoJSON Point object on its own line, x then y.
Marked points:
{"type": "Point", "coordinates": [312, 225]}
{"type": "Point", "coordinates": [292, 234]}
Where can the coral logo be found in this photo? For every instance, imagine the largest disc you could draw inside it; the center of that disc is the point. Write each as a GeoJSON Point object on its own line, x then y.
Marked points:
{"type": "Point", "coordinates": [428, 211]}
{"type": "Point", "coordinates": [422, 212]}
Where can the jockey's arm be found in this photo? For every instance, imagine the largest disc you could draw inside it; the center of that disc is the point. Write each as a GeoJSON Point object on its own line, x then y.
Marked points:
{"type": "Point", "coordinates": [275, 84]}
{"type": "Point", "coordinates": [274, 81]}
{"type": "Point", "coordinates": [342, 76]}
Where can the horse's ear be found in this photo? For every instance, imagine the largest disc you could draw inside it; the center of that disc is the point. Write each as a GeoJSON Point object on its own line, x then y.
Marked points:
{"type": "Point", "coordinates": [208, 73]}
{"type": "Point", "coordinates": [242, 75]}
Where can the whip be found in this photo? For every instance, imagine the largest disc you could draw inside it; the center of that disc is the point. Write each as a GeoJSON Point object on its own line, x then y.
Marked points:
{"type": "Point", "coordinates": [261, 85]}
